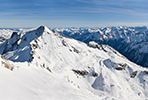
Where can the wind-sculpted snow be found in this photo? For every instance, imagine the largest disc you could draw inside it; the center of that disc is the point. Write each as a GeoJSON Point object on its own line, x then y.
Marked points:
{"type": "Point", "coordinates": [132, 42]}
{"type": "Point", "coordinates": [62, 68]}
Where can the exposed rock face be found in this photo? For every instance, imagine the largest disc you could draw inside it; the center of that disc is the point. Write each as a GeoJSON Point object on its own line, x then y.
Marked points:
{"type": "Point", "coordinates": [134, 74]}
{"type": "Point", "coordinates": [82, 73]}
{"type": "Point", "coordinates": [94, 74]}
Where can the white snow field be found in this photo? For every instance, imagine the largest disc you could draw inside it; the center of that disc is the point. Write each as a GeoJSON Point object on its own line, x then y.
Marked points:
{"type": "Point", "coordinates": [132, 42]}
{"type": "Point", "coordinates": [38, 64]}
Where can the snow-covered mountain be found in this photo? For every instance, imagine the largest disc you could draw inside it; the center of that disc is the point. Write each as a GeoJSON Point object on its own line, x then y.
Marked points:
{"type": "Point", "coordinates": [5, 34]}
{"type": "Point", "coordinates": [39, 64]}
{"type": "Point", "coordinates": [132, 42]}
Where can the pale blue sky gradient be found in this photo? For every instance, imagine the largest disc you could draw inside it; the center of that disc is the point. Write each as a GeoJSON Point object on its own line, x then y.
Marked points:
{"type": "Point", "coordinates": [73, 13]}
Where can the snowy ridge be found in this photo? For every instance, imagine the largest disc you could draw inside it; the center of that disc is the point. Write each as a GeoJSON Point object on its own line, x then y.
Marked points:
{"type": "Point", "coordinates": [129, 34]}
{"type": "Point", "coordinates": [50, 66]}
{"type": "Point", "coordinates": [132, 42]}
{"type": "Point", "coordinates": [5, 34]}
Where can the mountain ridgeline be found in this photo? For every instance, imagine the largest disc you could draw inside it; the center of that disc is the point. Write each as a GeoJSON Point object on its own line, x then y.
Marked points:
{"type": "Point", "coordinates": [18, 47]}
{"type": "Point", "coordinates": [39, 64]}
{"type": "Point", "coordinates": [132, 42]}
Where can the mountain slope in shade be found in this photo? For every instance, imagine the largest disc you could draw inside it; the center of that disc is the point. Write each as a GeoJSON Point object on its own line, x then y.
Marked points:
{"type": "Point", "coordinates": [132, 42]}
{"type": "Point", "coordinates": [39, 64]}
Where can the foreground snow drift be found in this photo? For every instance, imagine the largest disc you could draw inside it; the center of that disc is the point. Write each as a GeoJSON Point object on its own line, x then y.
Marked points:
{"type": "Point", "coordinates": [49, 66]}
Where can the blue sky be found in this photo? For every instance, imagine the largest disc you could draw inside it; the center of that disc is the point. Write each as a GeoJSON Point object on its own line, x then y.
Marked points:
{"type": "Point", "coordinates": [73, 13]}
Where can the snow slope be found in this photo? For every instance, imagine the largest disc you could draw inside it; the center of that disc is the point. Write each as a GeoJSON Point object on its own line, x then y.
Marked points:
{"type": "Point", "coordinates": [132, 42]}
{"type": "Point", "coordinates": [39, 64]}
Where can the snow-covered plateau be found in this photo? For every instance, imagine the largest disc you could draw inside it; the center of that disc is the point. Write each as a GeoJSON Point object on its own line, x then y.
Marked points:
{"type": "Point", "coordinates": [41, 64]}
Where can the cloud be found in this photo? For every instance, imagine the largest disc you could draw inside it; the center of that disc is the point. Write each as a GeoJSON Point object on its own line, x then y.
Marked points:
{"type": "Point", "coordinates": [130, 7]}
{"type": "Point", "coordinates": [131, 24]}
{"type": "Point", "coordinates": [7, 13]}
{"type": "Point", "coordinates": [39, 4]}
{"type": "Point", "coordinates": [107, 10]}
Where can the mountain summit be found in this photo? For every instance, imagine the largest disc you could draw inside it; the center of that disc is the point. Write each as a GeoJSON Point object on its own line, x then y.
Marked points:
{"type": "Point", "coordinates": [38, 64]}
{"type": "Point", "coordinates": [18, 47]}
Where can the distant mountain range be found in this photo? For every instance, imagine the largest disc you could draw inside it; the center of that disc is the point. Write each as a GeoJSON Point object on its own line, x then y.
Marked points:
{"type": "Point", "coordinates": [132, 42]}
